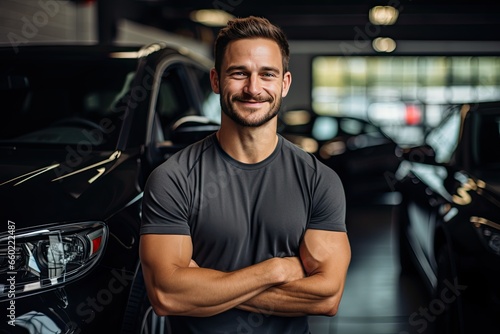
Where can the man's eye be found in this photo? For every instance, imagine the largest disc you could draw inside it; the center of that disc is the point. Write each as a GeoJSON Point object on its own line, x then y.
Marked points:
{"type": "Point", "coordinates": [269, 75]}
{"type": "Point", "coordinates": [239, 74]}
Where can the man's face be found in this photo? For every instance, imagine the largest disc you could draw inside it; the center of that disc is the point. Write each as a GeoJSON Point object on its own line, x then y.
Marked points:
{"type": "Point", "coordinates": [251, 82]}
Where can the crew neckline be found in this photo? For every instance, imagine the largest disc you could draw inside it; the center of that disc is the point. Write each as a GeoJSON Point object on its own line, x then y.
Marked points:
{"type": "Point", "coordinates": [248, 166]}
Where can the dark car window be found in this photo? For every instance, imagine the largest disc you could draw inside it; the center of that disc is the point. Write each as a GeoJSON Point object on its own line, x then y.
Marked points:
{"type": "Point", "coordinates": [210, 100]}
{"type": "Point", "coordinates": [173, 101]}
{"type": "Point", "coordinates": [61, 100]}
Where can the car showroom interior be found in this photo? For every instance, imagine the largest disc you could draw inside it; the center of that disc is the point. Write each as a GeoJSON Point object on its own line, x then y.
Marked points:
{"type": "Point", "coordinates": [401, 98]}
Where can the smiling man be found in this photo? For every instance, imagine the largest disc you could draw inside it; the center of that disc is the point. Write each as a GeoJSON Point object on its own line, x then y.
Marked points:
{"type": "Point", "coordinates": [243, 232]}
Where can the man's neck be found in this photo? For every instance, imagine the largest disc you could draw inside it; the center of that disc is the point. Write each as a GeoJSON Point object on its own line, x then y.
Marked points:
{"type": "Point", "coordinates": [247, 144]}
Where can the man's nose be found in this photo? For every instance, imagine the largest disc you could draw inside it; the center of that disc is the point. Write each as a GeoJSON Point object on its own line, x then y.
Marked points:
{"type": "Point", "coordinates": [253, 86]}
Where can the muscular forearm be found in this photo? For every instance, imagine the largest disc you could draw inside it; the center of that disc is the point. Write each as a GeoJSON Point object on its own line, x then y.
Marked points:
{"type": "Point", "coordinates": [313, 295]}
{"type": "Point", "coordinates": [204, 292]}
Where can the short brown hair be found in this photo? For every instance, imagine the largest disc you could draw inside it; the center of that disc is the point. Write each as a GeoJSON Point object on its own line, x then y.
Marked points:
{"type": "Point", "coordinates": [250, 27]}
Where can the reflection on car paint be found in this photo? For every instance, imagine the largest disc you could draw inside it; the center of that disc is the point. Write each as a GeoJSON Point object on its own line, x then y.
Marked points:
{"type": "Point", "coordinates": [115, 155]}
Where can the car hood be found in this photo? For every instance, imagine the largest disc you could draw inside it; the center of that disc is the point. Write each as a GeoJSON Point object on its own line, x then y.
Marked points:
{"type": "Point", "coordinates": [51, 186]}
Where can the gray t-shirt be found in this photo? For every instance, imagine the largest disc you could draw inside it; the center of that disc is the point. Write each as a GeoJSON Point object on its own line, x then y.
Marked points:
{"type": "Point", "coordinates": [240, 214]}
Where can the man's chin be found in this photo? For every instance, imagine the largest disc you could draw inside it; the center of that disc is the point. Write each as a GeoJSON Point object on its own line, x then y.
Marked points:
{"type": "Point", "coordinates": [252, 121]}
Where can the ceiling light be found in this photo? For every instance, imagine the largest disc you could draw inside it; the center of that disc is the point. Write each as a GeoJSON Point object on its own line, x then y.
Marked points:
{"type": "Point", "coordinates": [383, 15]}
{"type": "Point", "coordinates": [384, 44]}
{"type": "Point", "coordinates": [211, 17]}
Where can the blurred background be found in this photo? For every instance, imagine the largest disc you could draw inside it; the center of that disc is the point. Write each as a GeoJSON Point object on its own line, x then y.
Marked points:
{"type": "Point", "coordinates": [369, 77]}
{"type": "Point", "coordinates": [397, 64]}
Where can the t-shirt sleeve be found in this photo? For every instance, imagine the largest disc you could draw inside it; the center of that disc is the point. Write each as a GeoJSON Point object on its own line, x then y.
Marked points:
{"type": "Point", "coordinates": [329, 203]}
{"type": "Point", "coordinates": [165, 208]}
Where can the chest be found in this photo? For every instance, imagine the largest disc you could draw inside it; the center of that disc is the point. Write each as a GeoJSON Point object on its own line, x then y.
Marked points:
{"type": "Point", "coordinates": [259, 213]}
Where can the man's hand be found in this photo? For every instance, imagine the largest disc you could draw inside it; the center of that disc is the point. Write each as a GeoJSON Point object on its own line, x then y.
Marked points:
{"type": "Point", "coordinates": [292, 268]}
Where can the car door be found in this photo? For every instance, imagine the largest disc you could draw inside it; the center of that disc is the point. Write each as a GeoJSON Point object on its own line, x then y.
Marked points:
{"type": "Point", "coordinates": [173, 96]}
{"type": "Point", "coordinates": [432, 191]}
{"type": "Point", "coordinates": [183, 108]}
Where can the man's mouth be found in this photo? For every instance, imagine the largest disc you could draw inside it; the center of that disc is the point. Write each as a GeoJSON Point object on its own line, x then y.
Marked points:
{"type": "Point", "coordinates": [252, 101]}
{"type": "Point", "coordinates": [252, 105]}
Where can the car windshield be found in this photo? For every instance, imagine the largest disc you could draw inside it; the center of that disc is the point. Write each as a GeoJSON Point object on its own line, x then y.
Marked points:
{"type": "Point", "coordinates": [444, 138]}
{"type": "Point", "coordinates": [57, 101]}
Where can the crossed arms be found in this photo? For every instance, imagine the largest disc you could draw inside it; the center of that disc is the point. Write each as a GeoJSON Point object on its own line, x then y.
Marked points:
{"type": "Point", "coordinates": [310, 284]}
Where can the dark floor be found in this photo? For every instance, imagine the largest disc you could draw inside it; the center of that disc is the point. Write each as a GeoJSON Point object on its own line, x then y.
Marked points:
{"type": "Point", "coordinates": [377, 299]}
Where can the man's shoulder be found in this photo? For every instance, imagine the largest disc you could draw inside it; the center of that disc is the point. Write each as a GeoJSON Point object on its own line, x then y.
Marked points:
{"type": "Point", "coordinates": [299, 154]}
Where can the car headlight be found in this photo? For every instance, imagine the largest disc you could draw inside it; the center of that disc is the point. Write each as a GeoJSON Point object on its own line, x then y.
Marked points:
{"type": "Point", "coordinates": [42, 258]}
{"type": "Point", "coordinates": [489, 232]}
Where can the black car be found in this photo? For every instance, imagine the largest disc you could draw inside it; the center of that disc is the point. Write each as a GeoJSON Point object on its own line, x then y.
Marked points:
{"type": "Point", "coordinates": [360, 152]}
{"type": "Point", "coordinates": [81, 128]}
{"type": "Point", "coordinates": [448, 222]}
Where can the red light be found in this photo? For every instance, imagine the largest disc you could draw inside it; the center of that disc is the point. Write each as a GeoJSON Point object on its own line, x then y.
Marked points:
{"type": "Point", "coordinates": [96, 244]}
{"type": "Point", "coordinates": [413, 115]}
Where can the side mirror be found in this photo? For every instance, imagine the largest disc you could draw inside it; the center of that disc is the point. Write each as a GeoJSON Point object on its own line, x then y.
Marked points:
{"type": "Point", "coordinates": [419, 154]}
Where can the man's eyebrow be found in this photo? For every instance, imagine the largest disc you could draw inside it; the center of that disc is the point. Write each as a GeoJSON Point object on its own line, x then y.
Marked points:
{"type": "Point", "coordinates": [236, 68]}
{"type": "Point", "coordinates": [244, 68]}
{"type": "Point", "coordinates": [270, 69]}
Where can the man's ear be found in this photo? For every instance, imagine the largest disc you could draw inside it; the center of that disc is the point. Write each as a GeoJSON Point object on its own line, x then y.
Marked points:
{"type": "Point", "coordinates": [287, 82]}
{"type": "Point", "coordinates": [214, 81]}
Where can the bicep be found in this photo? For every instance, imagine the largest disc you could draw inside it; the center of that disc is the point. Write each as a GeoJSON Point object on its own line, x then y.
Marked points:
{"type": "Point", "coordinates": [325, 252]}
{"type": "Point", "coordinates": [161, 255]}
